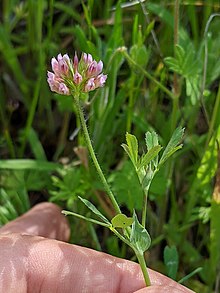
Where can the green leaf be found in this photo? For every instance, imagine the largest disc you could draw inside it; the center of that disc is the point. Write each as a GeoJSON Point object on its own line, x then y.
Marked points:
{"type": "Point", "coordinates": [69, 183]}
{"type": "Point", "coordinates": [171, 260]}
{"type": "Point", "coordinates": [185, 61]}
{"type": "Point", "coordinates": [180, 53]}
{"type": "Point", "coordinates": [172, 146]}
{"type": "Point", "coordinates": [151, 139]}
{"type": "Point", "coordinates": [190, 275]}
{"type": "Point", "coordinates": [149, 156]}
{"type": "Point", "coordinates": [36, 145]}
{"type": "Point", "coordinates": [139, 54]}
{"type": "Point", "coordinates": [122, 221]}
{"type": "Point", "coordinates": [140, 238]}
{"type": "Point", "coordinates": [94, 209]}
{"type": "Point", "coordinates": [193, 89]}
{"type": "Point", "coordinates": [215, 233]}
{"type": "Point", "coordinates": [173, 64]}
{"type": "Point", "coordinates": [68, 213]}
{"type": "Point", "coordinates": [161, 12]}
{"type": "Point", "coordinates": [209, 162]}
{"type": "Point", "coordinates": [22, 164]}
{"type": "Point", "coordinates": [131, 148]}
{"type": "Point", "coordinates": [6, 203]}
{"type": "Point", "coordinates": [147, 179]}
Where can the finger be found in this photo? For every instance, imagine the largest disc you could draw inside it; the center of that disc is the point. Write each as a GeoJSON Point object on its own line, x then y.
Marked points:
{"type": "Point", "coordinates": [44, 219]}
{"type": "Point", "coordinates": [45, 265]}
{"type": "Point", "coordinates": [165, 289]}
{"type": "Point", "coordinates": [165, 284]}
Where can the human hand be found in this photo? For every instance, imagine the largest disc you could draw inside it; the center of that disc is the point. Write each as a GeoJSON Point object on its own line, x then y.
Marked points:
{"type": "Point", "coordinates": [34, 258]}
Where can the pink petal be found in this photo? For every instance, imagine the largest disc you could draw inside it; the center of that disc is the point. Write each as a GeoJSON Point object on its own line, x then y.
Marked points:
{"type": "Point", "coordinates": [89, 60]}
{"type": "Point", "coordinates": [75, 62]}
{"type": "Point", "coordinates": [55, 65]}
{"type": "Point", "coordinates": [100, 80]}
{"type": "Point", "coordinates": [59, 57]}
{"type": "Point", "coordinates": [77, 78]}
{"type": "Point", "coordinates": [99, 67]}
{"type": "Point", "coordinates": [90, 85]}
{"type": "Point", "coordinates": [63, 89]}
{"type": "Point", "coordinates": [66, 58]}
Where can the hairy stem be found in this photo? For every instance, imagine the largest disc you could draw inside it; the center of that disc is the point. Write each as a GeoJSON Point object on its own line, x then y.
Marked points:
{"type": "Point", "coordinates": [92, 154]}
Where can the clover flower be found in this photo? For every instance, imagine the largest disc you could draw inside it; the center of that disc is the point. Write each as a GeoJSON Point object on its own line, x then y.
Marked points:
{"type": "Point", "coordinates": [71, 76]}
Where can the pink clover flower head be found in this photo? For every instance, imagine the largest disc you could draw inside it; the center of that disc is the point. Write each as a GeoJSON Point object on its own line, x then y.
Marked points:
{"type": "Point", "coordinates": [75, 76]}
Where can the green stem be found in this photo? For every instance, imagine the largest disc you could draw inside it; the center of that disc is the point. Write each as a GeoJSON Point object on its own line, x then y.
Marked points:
{"type": "Point", "coordinates": [215, 114]}
{"type": "Point", "coordinates": [144, 210]}
{"type": "Point", "coordinates": [92, 153]}
{"type": "Point", "coordinates": [176, 88]}
{"type": "Point", "coordinates": [67, 213]}
{"type": "Point", "coordinates": [139, 256]}
{"type": "Point", "coordinates": [7, 134]}
{"type": "Point", "coordinates": [146, 191]}
{"type": "Point", "coordinates": [130, 104]}
{"type": "Point", "coordinates": [142, 263]}
{"type": "Point", "coordinates": [122, 238]}
{"type": "Point", "coordinates": [174, 114]}
{"type": "Point", "coordinates": [10, 143]}
{"type": "Point", "coordinates": [148, 75]}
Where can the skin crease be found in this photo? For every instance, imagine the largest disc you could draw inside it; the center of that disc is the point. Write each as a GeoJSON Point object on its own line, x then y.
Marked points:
{"type": "Point", "coordinates": [36, 258]}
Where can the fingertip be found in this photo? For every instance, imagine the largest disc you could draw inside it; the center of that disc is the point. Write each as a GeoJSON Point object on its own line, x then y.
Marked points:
{"type": "Point", "coordinates": [57, 225]}
{"type": "Point", "coordinates": [44, 219]}
{"type": "Point", "coordinates": [161, 289]}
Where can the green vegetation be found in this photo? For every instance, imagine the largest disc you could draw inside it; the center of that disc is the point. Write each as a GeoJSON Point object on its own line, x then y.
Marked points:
{"type": "Point", "coordinates": [163, 64]}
